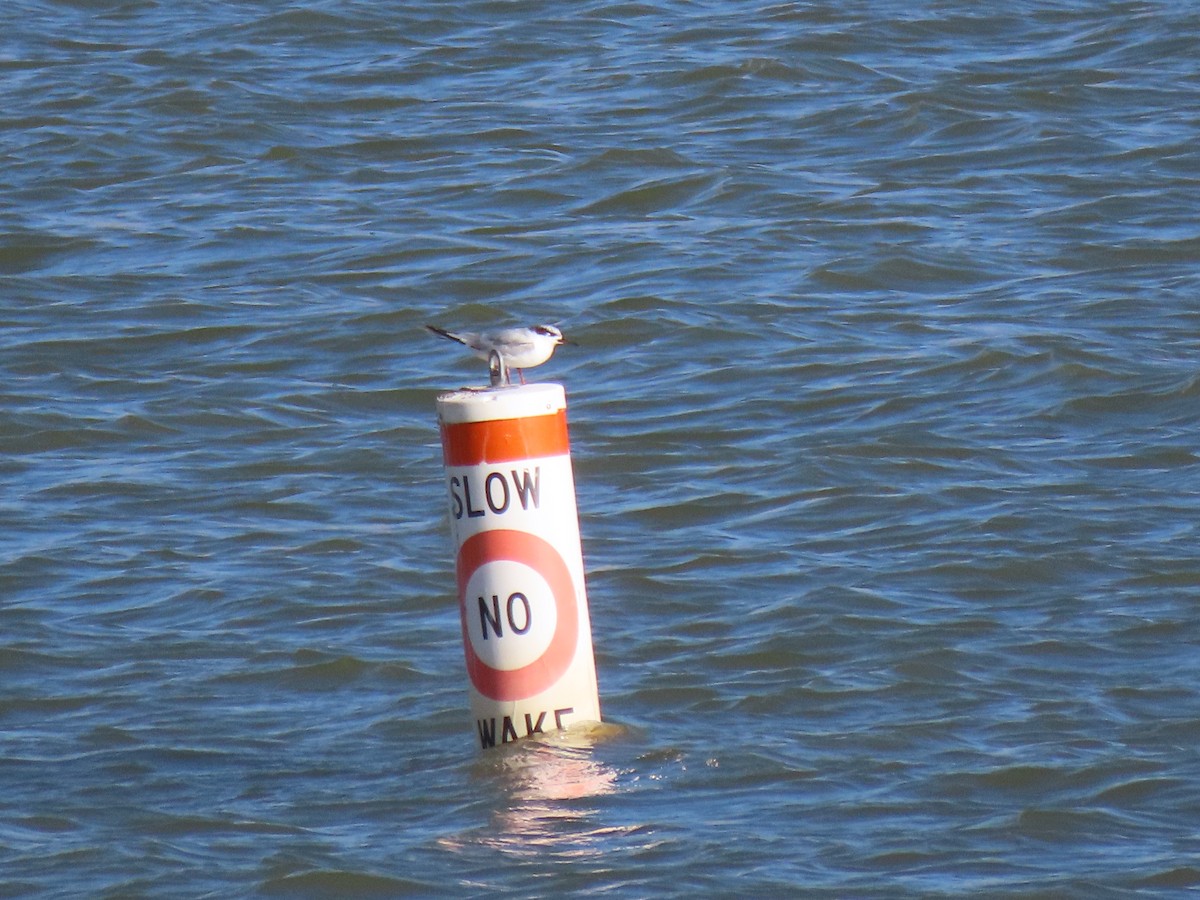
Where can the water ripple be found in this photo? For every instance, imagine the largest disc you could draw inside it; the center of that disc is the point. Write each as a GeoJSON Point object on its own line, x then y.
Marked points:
{"type": "Point", "coordinates": [883, 425]}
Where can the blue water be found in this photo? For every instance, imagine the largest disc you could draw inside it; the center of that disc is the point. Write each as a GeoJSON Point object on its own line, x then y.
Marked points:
{"type": "Point", "coordinates": [884, 419]}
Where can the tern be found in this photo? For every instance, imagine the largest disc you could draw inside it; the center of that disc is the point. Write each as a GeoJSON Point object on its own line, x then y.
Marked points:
{"type": "Point", "coordinates": [518, 348]}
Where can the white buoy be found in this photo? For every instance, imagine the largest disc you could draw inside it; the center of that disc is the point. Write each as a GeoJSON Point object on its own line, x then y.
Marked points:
{"type": "Point", "coordinates": [527, 635]}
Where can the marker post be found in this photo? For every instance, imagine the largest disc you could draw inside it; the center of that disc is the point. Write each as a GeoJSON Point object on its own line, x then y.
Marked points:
{"type": "Point", "coordinates": [526, 632]}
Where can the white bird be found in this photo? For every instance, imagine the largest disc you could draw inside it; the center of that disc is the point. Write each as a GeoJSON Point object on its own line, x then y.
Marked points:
{"type": "Point", "coordinates": [518, 348]}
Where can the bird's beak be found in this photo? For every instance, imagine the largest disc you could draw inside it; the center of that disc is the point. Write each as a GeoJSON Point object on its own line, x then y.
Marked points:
{"type": "Point", "coordinates": [572, 343]}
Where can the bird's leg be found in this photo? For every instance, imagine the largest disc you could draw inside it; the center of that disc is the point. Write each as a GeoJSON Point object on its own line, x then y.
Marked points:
{"type": "Point", "coordinates": [521, 373]}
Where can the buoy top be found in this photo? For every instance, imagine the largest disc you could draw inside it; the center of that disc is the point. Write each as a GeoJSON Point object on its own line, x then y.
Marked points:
{"type": "Point", "coordinates": [503, 424]}
{"type": "Point", "coordinates": [508, 402]}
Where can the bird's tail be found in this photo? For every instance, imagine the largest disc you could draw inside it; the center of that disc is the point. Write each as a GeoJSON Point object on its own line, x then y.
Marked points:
{"type": "Point", "coordinates": [446, 334]}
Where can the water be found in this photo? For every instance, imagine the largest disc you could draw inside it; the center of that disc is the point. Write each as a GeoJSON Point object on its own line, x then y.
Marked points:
{"type": "Point", "coordinates": [884, 424]}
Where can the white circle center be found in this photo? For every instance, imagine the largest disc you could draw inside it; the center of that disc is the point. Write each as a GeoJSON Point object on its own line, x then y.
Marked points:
{"type": "Point", "coordinates": [511, 614]}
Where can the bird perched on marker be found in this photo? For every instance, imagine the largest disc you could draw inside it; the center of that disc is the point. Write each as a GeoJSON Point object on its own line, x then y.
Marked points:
{"type": "Point", "coordinates": [518, 348]}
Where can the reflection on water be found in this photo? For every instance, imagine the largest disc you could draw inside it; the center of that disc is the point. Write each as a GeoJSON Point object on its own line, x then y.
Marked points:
{"type": "Point", "coordinates": [543, 787]}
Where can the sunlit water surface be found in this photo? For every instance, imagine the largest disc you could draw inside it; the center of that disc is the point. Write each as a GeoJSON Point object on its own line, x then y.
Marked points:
{"type": "Point", "coordinates": [884, 423]}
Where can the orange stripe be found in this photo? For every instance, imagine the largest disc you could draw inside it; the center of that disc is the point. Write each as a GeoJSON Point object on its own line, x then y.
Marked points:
{"type": "Point", "coordinates": [505, 440]}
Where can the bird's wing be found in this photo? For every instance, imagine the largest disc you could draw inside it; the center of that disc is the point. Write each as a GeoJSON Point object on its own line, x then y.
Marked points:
{"type": "Point", "coordinates": [460, 338]}
{"type": "Point", "coordinates": [518, 341]}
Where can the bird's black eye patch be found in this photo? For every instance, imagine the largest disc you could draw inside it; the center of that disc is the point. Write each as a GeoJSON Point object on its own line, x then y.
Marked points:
{"type": "Point", "coordinates": [542, 329]}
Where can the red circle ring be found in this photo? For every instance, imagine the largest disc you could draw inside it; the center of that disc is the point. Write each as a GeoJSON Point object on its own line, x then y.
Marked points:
{"type": "Point", "coordinates": [539, 555]}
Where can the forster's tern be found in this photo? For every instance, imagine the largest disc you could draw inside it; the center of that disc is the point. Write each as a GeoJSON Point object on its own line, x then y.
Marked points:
{"type": "Point", "coordinates": [518, 348]}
